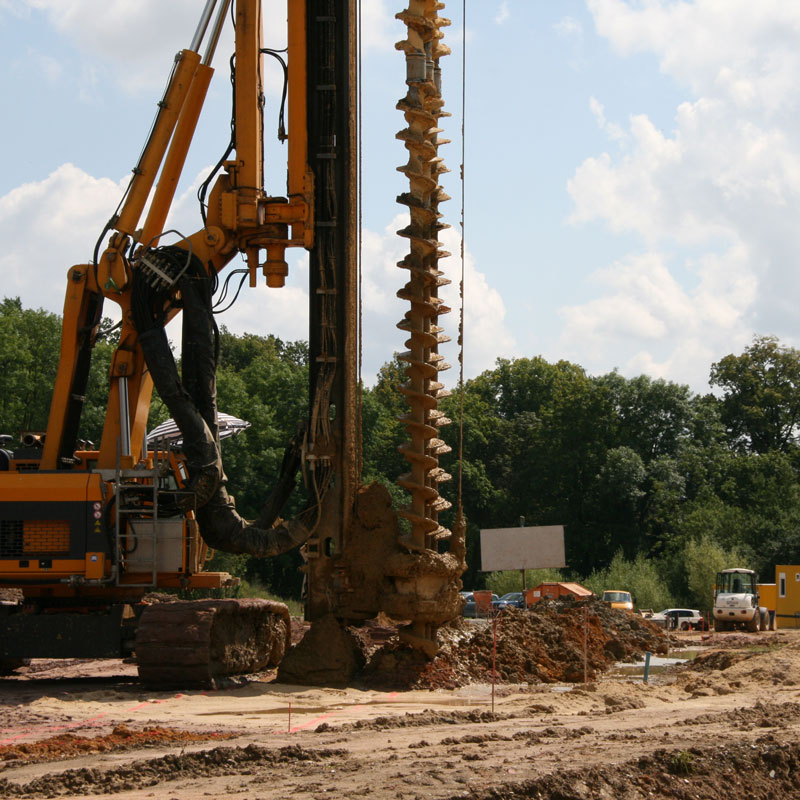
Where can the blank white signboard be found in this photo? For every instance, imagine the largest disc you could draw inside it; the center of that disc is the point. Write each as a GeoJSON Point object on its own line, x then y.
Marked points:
{"type": "Point", "coordinates": [522, 548]}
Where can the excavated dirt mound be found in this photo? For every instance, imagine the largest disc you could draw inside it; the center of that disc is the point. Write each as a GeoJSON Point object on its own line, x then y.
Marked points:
{"type": "Point", "coordinates": [740, 639]}
{"type": "Point", "coordinates": [68, 745]}
{"type": "Point", "coordinates": [762, 770]}
{"type": "Point", "coordinates": [544, 644]}
{"type": "Point", "coordinates": [761, 715]}
{"type": "Point", "coordinates": [770, 771]}
{"type": "Point", "coordinates": [718, 659]}
{"type": "Point", "coordinates": [421, 720]}
{"type": "Point", "coordinates": [140, 774]}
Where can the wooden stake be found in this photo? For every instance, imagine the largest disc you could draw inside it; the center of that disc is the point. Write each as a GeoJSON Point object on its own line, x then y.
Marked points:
{"type": "Point", "coordinates": [585, 642]}
{"type": "Point", "coordinates": [494, 655]}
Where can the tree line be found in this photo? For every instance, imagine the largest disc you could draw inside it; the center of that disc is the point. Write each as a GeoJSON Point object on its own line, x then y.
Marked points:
{"type": "Point", "coordinates": [657, 487]}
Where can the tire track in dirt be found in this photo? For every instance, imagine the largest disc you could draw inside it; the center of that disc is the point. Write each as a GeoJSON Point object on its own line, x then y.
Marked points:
{"type": "Point", "coordinates": [152, 772]}
{"type": "Point", "coordinates": [437, 751]}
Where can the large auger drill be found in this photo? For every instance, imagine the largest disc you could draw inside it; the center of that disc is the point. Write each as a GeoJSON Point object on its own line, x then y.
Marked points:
{"type": "Point", "coordinates": [423, 108]}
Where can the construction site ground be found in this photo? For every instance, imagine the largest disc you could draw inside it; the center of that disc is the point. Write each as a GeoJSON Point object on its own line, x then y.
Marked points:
{"type": "Point", "coordinates": [727, 721]}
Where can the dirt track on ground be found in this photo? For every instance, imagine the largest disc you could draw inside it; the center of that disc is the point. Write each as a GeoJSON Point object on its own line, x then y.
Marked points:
{"type": "Point", "coordinates": [729, 721]}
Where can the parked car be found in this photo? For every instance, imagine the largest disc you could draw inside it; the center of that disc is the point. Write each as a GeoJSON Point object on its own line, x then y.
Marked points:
{"type": "Point", "coordinates": [618, 599]}
{"type": "Point", "coordinates": [514, 599]}
{"type": "Point", "coordinates": [679, 619]}
{"type": "Point", "coordinates": [470, 609]}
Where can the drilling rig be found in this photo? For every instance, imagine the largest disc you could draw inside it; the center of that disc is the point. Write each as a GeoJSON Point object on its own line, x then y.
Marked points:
{"type": "Point", "coordinates": [86, 533]}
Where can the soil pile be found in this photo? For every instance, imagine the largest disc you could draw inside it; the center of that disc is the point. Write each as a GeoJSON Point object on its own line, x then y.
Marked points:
{"type": "Point", "coordinates": [68, 745]}
{"type": "Point", "coordinates": [761, 715]}
{"type": "Point", "coordinates": [701, 774]}
{"type": "Point", "coordinates": [144, 773]}
{"type": "Point", "coordinates": [718, 660]}
{"type": "Point", "coordinates": [543, 644]}
{"type": "Point", "coordinates": [739, 639]}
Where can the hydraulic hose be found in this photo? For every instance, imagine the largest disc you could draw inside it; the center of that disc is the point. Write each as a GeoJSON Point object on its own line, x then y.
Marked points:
{"type": "Point", "coordinates": [192, 402]}
{"type": "Point", "coordinates": [223, 529]}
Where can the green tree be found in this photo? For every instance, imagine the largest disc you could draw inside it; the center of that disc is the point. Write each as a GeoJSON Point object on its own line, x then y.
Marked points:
{"type": "Point", "coordinates": [511, 580]}
{"type": "Point", "coordinates": [382, 431]}
{"type": "Point", "coordinates": [639, 576]}
{"type": "Point", "coordinates": [260, 380]}
{"type": "Point", "coordinates": [522, 384]}
{"type": "Point", "coordinates": [665, 503]}
{"type": "Point", "coordinates": [264, 381]}
{"type": "Point", "coordinates": [704, 559]}
{"type": "Point", "coordinates": [549, 446]}
{"type": "Point", "coordinates": [761, 395]}
{"type": "Point", "coordinates": [617, 495]}
{"type": "Point", "coordinates": [652, 417]}
{"type": "Point", "coordinates": [29, 350]}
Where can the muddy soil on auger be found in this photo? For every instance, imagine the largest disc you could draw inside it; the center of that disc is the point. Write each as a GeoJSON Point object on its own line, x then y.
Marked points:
{"type": "Point", "coordinates": [726, 723]}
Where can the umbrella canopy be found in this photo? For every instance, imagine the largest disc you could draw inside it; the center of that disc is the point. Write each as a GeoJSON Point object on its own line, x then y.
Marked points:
{"type": "Point", "coordinates": [167, 434]}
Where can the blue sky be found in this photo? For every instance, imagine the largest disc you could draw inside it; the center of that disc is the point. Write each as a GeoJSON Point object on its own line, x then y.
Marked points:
{"type": "Point", "coordinates": [632, 169]}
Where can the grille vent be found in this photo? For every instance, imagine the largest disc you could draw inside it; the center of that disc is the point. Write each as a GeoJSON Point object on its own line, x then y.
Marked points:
{"type": "Point", "coordinates": [24, 538]}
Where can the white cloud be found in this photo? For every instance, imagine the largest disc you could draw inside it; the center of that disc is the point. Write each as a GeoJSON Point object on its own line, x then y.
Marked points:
{"type": "Point", "coordinates": [486, 331]}
{"type": "Point", "coordinates": [49, 226]}
{"type": "Point", "coordinates": [486, 334]}
{"type": "Point", "coordinates": [653, 324]}
{"type": "Point", "coordinates": [746, 51]}
{"type": "Point", "coordinates": [503, 13]}
{"type": "Point", "coordinates": [379, 28]}
{"type": "Point", "coordinates": [612, 130]}
{"type": "Point", "coordinates": [569, 27]}
{"type": "Point", "coordinates": [16, 8]}
{"type": "Point", "coordinates": [49, 68]}
{"type": "Point", "coordinates": [263, 311]}
{"type": "Point", "coordinates": [137, 41]}
{"type": "Point", "coordinates": [718, 195]}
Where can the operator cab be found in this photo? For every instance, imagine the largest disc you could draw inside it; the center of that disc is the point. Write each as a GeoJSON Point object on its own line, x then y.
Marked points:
{"type": "Point", "coordinates": [736, 581]}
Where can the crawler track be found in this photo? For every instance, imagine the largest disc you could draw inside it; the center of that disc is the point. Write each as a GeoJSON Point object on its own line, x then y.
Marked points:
{"type": "Point", "coordinates": [195, 643]}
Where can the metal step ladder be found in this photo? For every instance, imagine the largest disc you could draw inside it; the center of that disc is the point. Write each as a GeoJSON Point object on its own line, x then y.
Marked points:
{"type": "Point", "coordinates": [136, 495]}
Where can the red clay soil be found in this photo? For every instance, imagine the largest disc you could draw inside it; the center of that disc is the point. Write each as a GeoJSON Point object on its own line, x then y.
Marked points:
{"type": "Point", "coordinates": [544, 644]}
{"type": "Point", "coordinates": [68, 745]}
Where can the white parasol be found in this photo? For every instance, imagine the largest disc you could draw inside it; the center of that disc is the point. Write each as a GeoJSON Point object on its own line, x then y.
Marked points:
{"type": "Point", "coordinates": [167, 434]}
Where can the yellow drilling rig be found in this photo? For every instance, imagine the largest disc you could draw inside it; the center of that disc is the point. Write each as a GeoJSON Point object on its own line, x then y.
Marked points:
{"type": "Point", "coordinates": [86, 533]}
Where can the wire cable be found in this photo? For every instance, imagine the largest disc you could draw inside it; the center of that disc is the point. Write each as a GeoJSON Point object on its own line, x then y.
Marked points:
{"type": "Point", "coordinates": [463, 239]}
{"type": "Point", "coordinates": [276, 54]}
{"type": "Point", "coordinates": [244, 273]}
{"type": "Point", "coordinates": [359, 258]}
{"type": "Point", "coordinates": [203, 188]}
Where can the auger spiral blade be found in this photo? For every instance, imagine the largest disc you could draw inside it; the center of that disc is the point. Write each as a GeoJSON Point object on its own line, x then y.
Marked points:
{"type": "Point", "coordinates": [430, 577]}
{"type": "Point", "coordinates": [422, 107]}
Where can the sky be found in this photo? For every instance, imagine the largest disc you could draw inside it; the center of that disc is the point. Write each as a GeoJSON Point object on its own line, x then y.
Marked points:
{"type": "Point", "coordinates": [632, 170]}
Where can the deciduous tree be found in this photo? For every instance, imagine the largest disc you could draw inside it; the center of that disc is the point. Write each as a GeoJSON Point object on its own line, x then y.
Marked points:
{"type": "Point", "coordinates": [761, 395]}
